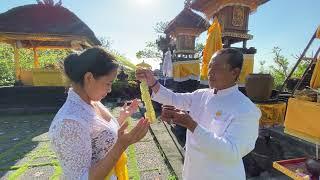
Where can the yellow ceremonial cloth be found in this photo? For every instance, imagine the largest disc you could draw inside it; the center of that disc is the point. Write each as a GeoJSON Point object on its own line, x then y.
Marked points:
{"type": "Point", "coordinates": [272, 114]}
{"type": "Point", "coordinates": [213, 44]}
{"type": "Point", "coordinates": [120, 169]}
{"type": "Point", "coordinates": [302, 120]}
{"type": "Point", "coordinates": [315, 79]}
{"type": "Point", "coordinates": [185, 70]}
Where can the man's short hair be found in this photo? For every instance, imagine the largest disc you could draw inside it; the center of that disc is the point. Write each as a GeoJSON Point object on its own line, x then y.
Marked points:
{"type": "Point", "coordinates": [235, 57]}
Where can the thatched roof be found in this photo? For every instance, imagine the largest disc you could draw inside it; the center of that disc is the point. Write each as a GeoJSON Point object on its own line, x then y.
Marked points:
{"type": "Point", "coordinates": [44, 25]}
{"type": "Point", "coordinates": [187, 19]}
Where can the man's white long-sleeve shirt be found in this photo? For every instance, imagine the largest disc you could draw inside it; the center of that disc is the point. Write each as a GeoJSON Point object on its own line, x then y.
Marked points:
{"type": "Point", "coordinates": [227, 130]}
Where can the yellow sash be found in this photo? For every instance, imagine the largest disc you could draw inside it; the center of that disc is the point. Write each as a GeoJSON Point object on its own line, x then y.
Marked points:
{"type": "Point", "coordinates": [120, 169]}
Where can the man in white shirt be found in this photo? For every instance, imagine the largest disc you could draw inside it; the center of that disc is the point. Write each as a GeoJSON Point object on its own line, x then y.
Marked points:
{"type": "Point", "coordinates": [222, 123]}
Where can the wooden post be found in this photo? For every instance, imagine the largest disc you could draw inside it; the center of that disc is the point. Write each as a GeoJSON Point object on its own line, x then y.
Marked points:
{"type": "Point", "coordinates": [244, 45]}
{"type": "Point", "coordinates": [17, 62]}
{"type": "Point", "coordinates": [36, 63]}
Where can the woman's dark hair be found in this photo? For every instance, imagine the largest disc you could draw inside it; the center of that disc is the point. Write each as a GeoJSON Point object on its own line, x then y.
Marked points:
{"type": "Point", "coordinates": [94, 60]}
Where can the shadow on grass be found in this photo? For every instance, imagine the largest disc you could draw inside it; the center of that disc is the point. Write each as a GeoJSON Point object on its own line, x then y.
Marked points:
{"type": "Point", "coordinates": [19, 135]}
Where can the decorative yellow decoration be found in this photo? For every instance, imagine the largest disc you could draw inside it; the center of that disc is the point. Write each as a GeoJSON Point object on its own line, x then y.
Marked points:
{"type": "Point", "coordinates": [315, 79]}
{"type": "Point", "coordinates": [144, 65]}
{"type": "Point", "coordinates": [302, 120]}
{"type": "Point", "coordinates": [186, 70]}
{"type": "Point", "coordinates": [145, 96]}
{"type": "Point", "coordinates": [218, 113]}
{"type": "Point", "coordinates": [272, 114]}
{"type": "Point", "coordinates": [213, 44]}
{"type": "Point", "coordinates": [247, 67]}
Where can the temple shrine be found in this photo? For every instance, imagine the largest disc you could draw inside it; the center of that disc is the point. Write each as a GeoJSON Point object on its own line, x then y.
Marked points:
{"type": "Point", "coordinates": [38, 27]}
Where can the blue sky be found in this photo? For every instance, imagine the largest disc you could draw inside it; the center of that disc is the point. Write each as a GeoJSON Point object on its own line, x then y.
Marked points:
{"type": "Point", "coordinates": [129, 23]}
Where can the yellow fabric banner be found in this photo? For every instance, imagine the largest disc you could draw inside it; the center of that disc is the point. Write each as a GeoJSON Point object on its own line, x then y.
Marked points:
{"type": "Point", "coordinates": [315, 79]}
{"type": "Point", "coordinates": [213, 44]}
{"type": "Point", "coordinates": [302, 120]}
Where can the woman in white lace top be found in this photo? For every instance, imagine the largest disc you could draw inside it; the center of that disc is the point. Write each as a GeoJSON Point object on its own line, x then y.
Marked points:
{"type": "Point", "coordinates": [86, 138]}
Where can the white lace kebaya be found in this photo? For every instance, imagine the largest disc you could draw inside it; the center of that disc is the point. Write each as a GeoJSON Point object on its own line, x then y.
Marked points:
{"type": "Point", "coordinates": [80, 137]}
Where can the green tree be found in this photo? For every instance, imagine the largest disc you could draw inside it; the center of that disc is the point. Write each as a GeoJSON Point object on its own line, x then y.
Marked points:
{"type": "Point", "coordinates": [155, 49]}
{"type": "Point", "coordinates": [150, 51]}
{"type": "Point", "coordinates": [262, 68]}
{"type": "Point", "coordinates": [160, 27]}
{"type": "Point", "coordinates": [106, 42]}
{"type": "Point", "coordinates": [199, 48]}
{"type": "Point", "coordinates": [6, 65]}
{"type": "Point", "coordinates": [281, 68]}
{"type": "Point", "coordinates": [300, 69]}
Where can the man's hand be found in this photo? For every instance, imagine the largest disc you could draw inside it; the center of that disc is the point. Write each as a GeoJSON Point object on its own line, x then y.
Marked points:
{"type": "Point", "coordinates": [172, 115]}
{"type": "Point", "coordinates": [147, 75]}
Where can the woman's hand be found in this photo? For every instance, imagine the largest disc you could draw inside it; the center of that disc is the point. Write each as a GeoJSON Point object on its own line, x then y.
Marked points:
{"type": "Point", "coordinates": [104, 166]}
{"type": "Point", "coordinates": [127, 111]}
{"type": "Point", "coordinates": [135, 134]}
